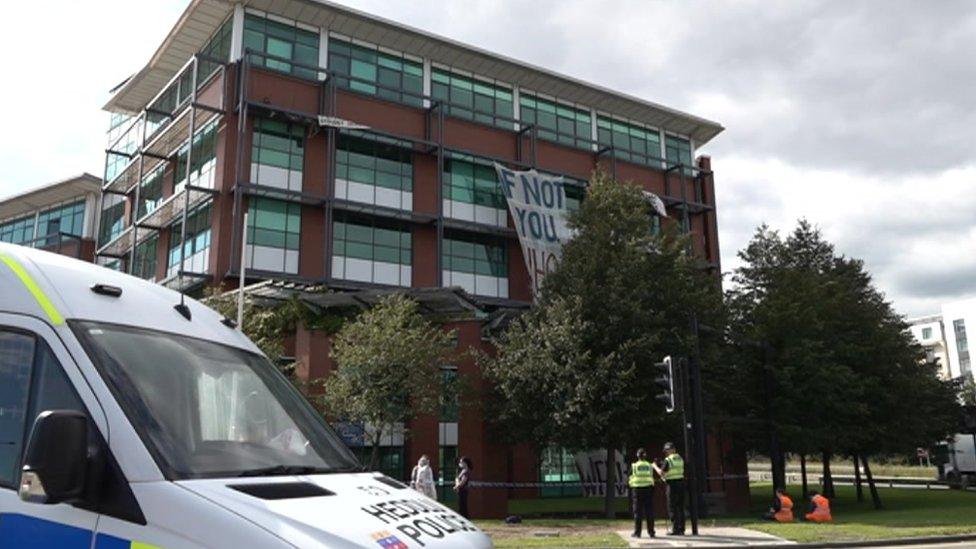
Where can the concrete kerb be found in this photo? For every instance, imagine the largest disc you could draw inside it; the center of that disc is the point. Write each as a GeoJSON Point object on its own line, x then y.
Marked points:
{"type": "Point", "coordinates": [689, 541]}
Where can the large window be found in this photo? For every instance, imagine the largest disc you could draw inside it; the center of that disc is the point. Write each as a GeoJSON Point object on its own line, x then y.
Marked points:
{"type": "Point", "coordinates": [278, 154]}
{"type": "Point", "coordinates": [383, 74]}
{"type": "Point", "coordinates": [197, 248]}
{"type": "Point", "coordinates": [477, 263]}
{"type": "Point", "coordinates": [472, 98]}
{"type": "Point", "coordinates": [68, 219]}
{"type": "Point", "coordinates": [273, 231]}
{"type": "Point", "coordinates": [557, 467]}
{"type": "Point", "coordinates": [17, 231]}
{"type": "Point", "coordinates": [144, 264]}
{"type": "Point", "coordinates": [630, 142]}
{"type": "Point", "coordinates": [471, 192]}
{"type": "Point", "coordinates": [556, 121]}
{"type": "Point", "coordinates": [123, 140]}
{"type": "Point", "coordinates": [285, 45]}
{"type": "Point", "coordinates": [203, 160]}
{"type": "Point", "coordinates": [371, 250]}
{"type": "Point", "coordinates": [112, 218]}
{"type": "Point", "coordinates": [217, 47]}
{"type": "Point", "coordinates": [962, 345]}
{"type": "Point", "coordinates": [151, 192]}
{"type": "Point", "coordinates": [374, 171]}
{"type": "Point", "coordinates": [678, 151]}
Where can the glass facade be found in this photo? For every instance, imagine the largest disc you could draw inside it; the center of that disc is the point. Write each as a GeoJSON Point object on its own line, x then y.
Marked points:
{"type": "Point", "coordinates": [151, 192]}
{"type": "Point", "coordinates": [144, 264]}
{"type": "Point", "coordinates": [68, 219]}
{"type": "Point", "coordinates": [123, 140]}
{"type": "Point", "coordinates": [273, 235]}
{"type": "Point", "coordinates": [197, 248]}
{"type": "Point", "coordinates": [471, 191]}
{"type": "Point", "coordinates": [471, 98]}
{"type": "Point", "coordinates": [374, 171]}
{"type": "Point", "coordinates": [368, 70]}
{"type": "Point", "coordinates": [630, 142]}
{"type": "Point", "coordinates": [278, 154]}
{"type": "Point", "coordinates": [477, 263]}
{"type": "Point", "coordinates": [558, 466]}
{"type": "Point", "coordinates": [450, 404]}
{"type": "Point", "coordinates": [203, 160]}
{"type": "Point", "coordinates": [217, 47]}
{"type": "Point", "coordinates": [285, 45]}
{"type": "Point", "coordinates": [962, 346]}
{"type": "Point", "coordinates": [112, 218]}
{"type": "Point", "coordinates": [678, 150]}
{"type": "Point", "coordinates": [369, 249]}
{"type": "Point", "coordinates": [556, 121]}
{"type": "Point", "coordinates": [17, 231]}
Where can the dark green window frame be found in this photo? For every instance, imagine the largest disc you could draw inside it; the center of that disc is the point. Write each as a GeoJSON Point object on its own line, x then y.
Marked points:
{"type": "Point", "coordinates": [372, 239]}
{"type": "Point", "coordinates": [279, 144]}
{"type": "Point", "coordinates": [66, 219]}
{"type": "Point", "coordinates": [677, 150]}
{"type": "Point", "coordinates": [288, 43]}
{"type": "Point", "coordinates": [112, 221]}
{"type": "Point", "coordinates": [391, 459]}
{"type": "Point", "coordinates": [373, 72]}
{"type": "Point", "coordinates": [556, 121]}
{"type": "Point", "coordinates": [18, 231]}
{"type": "Point", "coordinates": [151, 192]}
{"type": "Point", "coordinates": [473, 98]}
{"type": "Point", "coordinates": [204, 151]}
{"type": "Point", "coordinates": [450, 397]}
{"type": "Point", "coordinates": [274, 223]}
{"type": "Point", "coordinates": [144, 264]}
{"type": "Point", "coordinates": [630, 142]}
{"type": "Point", "coordinates": [468, 180]}
{"type": "Point", "coordinates": [218, 47]}
{"type": "Point", "coordinates": [198, 230]}
{"type": "Point", "coordinates": [374, 162]}
{"type": "Point", "coordinates": [474, 253]}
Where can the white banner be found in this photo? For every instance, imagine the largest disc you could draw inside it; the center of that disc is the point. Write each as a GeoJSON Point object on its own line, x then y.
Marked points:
{"type": "Point", "coordinates": [592, 468]}
{"type": "Point", "coordinates": [538, 206]}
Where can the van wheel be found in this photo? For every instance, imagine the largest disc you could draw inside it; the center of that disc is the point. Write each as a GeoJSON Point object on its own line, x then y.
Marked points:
{"type": "Point", "coordinates": [966, 482]}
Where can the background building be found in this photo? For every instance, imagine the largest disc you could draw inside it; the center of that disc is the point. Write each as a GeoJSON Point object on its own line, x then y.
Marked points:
{"type": "Point", "coordinates": [959, 320]}
{"type": "Point", "coordinates": [930, 334]}
{"type": "Point", "coordinates": [362, 152]}
{"type": "Point", "coordinates": [59, 217]}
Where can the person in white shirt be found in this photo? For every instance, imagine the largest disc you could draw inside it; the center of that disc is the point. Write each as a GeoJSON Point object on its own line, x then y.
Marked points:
{"type": "Point", "coordinates": [422, 478]}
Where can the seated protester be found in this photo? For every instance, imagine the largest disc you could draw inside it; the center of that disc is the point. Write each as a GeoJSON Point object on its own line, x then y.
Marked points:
{"type": "Point", "coordinates": [782, 509]}
{"type": "Point", "coordinates": [819, 508]}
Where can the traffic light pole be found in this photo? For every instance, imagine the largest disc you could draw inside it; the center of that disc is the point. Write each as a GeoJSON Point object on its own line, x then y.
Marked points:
{"type": "Point", "coordinates": [692, 478]}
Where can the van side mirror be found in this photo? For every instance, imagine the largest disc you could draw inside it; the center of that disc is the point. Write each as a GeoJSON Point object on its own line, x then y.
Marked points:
{"type": "Point", "coordinates": [56, 458]}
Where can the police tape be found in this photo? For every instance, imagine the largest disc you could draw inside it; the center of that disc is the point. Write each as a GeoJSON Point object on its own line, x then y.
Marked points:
{"type": "Point", "coordinates": [486, 484]}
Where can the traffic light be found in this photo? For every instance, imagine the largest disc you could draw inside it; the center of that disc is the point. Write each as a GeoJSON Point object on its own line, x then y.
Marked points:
{"type": "Point", "coordinates": [665, 380]}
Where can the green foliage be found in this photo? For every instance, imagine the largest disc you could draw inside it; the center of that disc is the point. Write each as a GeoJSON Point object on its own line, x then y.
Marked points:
{"type": "Point", "coordinates": [577, 370]}
{"type": "Point", "coordinates": [967, 394]}
{"type": "Point", "coordinates": [388, 366]}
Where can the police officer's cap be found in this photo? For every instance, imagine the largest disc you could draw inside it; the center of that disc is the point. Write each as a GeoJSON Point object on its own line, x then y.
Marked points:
{"type": "Point", "coordinates": [668, 446]}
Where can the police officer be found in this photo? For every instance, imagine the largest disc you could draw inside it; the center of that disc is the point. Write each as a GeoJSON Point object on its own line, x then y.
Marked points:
{"type": "Point", "coordinates": [641, 483]}
{"type": "Point", "coordinates": [673, 473]}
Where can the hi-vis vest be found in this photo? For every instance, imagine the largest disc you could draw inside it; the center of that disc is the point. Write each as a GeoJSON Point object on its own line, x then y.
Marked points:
{"type": "Point", "coordinates": [676, 467]}
{"type": "Point", "coordinates": [641, 474]}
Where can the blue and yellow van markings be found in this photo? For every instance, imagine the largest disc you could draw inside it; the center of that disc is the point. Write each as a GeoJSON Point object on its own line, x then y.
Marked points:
{"type": "Point", "coordinates": [18, 530]}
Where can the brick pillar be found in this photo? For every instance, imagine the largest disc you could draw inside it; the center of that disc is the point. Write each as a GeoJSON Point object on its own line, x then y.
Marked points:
{"type": "Point", "coordinates": [312, 348]}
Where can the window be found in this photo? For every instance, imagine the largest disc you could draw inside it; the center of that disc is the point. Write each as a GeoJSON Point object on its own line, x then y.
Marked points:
{"type": "Point", "coordinates": [476, 263]}
{"type": "Point", "coordinates": [630, 142]}
{"type": "Point", "coordinates": [144, 261]}
{"type": "Point", "coordinates": [18, 231]}
{"type": "Point", "coordinates": [278, 154]}
{"type": "Point", "coordinates": [390, 461]}
{"type": "Point", "coordinates": [273, 230]}
{"type": "Point", "coordinates": [123, 140]}
{"type": "Point", "coordinates": [151, 191]}
{"type": "Point", "coordinates": [962, 346]}
{"type": "Point", "coordinates": [16, 357]}
{"type": "Point", "coordinates": [558, 465]}
{"type": "Point", "coordinates": [471, 192]}
{"type": "Point", "coordinates": [203, 161]}
{"type": "Point", "coordinates": [448, 462]}
{"type": "Point", "coordinates": [371, 71]}
{"type": "Point", "coordinates": [217, 47]}
{"type": "Point", "coordinates": [371, 250]}
{"type": "Point", "coordinates": [450, 405]}
{"type": "Point", "coordinates": [557, 122]}
{"type": "Point", "coordinates": [113, 218]}
{"type": "Point", "coordinates": [678, 150]}
{"type": "Point", "coordinates": [197, 243]}
{"type": "Point", "coordinates": [285, 45]}
{"type": "Point", "coordinates": [926, 333]}
{"type": "Point", "coordinates": [68, 219]}
{"type": "Point", "coordinates": [374, 171]}
{"type": "Point", "coordinates": [474, 99]}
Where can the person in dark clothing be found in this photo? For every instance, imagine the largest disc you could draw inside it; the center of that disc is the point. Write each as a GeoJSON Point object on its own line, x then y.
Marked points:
{"type": "Point", "coordinates": [461, 485]}
{"type": "Point", "coordinates": [641, 483]}
{"type": "Point", "coordinates": [672, 471]}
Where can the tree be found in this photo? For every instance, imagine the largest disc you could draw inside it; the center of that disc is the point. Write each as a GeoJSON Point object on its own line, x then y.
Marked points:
{"type": "Point", "coordinates": [388, 368]}
{"type": "Point", "coordinates": [577, 370]}
{"type": "Point", "coordinates": [968, 392]}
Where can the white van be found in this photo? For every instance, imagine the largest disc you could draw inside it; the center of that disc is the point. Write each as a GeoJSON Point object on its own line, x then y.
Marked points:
{"type": "Point", "coordinates": [128, 423]}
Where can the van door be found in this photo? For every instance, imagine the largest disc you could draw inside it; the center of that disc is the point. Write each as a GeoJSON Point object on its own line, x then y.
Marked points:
{"type": "Point", "coordinates": [37, 374]}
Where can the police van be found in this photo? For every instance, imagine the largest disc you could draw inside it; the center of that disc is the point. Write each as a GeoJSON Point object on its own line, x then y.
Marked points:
{"type": "Point", "coordinates": [130, 418]}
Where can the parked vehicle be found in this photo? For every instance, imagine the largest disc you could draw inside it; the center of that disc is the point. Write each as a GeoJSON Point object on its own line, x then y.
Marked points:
{"type": "Point", "coordinates": [128, 419]}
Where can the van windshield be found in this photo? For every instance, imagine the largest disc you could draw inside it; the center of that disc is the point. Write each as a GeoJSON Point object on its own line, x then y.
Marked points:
{"type": "Point", "coordinates": [207, 410]}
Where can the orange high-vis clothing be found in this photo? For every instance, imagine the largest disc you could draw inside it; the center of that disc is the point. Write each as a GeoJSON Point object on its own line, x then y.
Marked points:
{"type": "Point", "coordinates": [821, 511]}
{"type": "Point", "coordinates": [785, 513]}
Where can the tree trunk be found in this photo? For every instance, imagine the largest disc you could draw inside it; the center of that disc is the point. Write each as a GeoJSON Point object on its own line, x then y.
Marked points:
{"type": "Point", "coordinates": [374, 456]}
{"type": "Point", "coordinates": [803, 474]}
{"type": "Point", "coordinates": [857, 480]}
{"type": "Point", "coordinates": [874, 489]}
{"type": "Point", "coordinates": [610, 488]}
{"type": "Point", "coordinates": [828, 479]}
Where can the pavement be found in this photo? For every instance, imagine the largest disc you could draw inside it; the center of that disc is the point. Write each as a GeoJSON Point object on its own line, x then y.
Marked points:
{"type": "Point", "coordinates": [714, 536]}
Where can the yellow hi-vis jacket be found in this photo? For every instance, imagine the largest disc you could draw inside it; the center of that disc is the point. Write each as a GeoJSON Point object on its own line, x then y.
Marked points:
{"type": "Point", "coordinates": [676, 467]}
{"type": "Point", "coordinates": [641, 474]}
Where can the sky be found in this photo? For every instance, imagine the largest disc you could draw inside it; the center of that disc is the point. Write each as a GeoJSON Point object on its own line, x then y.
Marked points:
{"type": "Point", "coordinates": [858, 116]}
